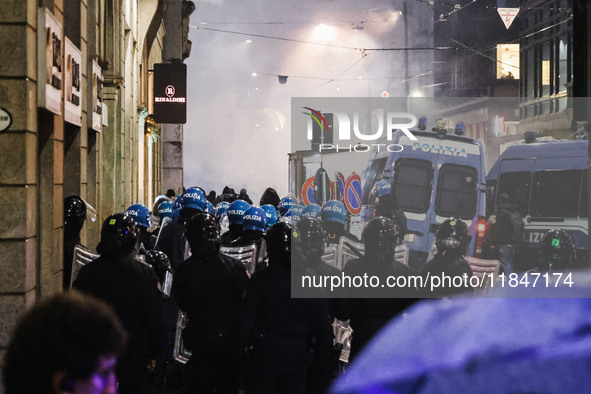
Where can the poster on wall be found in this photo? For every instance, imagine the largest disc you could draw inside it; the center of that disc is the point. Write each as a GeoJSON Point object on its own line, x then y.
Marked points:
{"type": "Point", "coordinates": [97, 96]}
{"type": "Point", "coordinates": [72, 102]}
{"type": "Point", "coordinates": [49, 66]}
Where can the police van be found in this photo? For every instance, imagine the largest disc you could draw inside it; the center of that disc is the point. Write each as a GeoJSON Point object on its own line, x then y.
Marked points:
{"type": "Point", "coordinates": [548, 182]}
{"type": "Point", "coordinates": [438, 176]}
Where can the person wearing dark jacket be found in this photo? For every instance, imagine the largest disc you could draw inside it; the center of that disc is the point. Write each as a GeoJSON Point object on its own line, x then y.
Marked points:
{"type": "Point", "coordinates": [209, 287]}
{"type": "Point", "coordinates": [130, 288]}
{"type": "Point", "coordinates": [270, 196]}
{"type": "Point", "coordinates": [507, 232]}
{"type": "Point", "coordinates": [452, 241]}
{"type": "Point", "coordinates": [172, 239]}
{"type": "Point", "coordinates": [308, 244]}
{"type": "Point", "coordinates": [369, 309]}
{"type": "Point", "coordinates": [277, 329]}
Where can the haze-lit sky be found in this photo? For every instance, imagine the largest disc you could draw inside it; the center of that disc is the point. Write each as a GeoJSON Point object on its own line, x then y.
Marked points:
{"type": "Point", "coordinates": [238, 126]}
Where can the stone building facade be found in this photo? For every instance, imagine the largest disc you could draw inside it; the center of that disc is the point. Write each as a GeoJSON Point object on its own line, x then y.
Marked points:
{"type": "Point", "coordinates": [75, 75]}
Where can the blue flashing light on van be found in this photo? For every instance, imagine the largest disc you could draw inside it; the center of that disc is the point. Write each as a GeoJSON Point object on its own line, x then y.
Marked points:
{"type": "Point", "coordinates": [439, 176]}
{"type": "Point", "coordinates": [548, 182]}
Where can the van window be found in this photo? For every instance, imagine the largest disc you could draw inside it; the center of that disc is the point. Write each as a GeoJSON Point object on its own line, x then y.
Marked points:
{"type": "Point", "coordinates": [556, 193]}
{"type": "Point", "coordinates": [457, 191]}
{"type": "Point", "coordinates": [516, 186]}
{"type": "Point", "coordinates": [373, 175]}
{"type": "Point", "coordinates": [412, 185]}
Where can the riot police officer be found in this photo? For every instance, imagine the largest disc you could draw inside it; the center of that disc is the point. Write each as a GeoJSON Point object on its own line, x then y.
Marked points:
{"type": "Point", "coordinates": [130, 287]}
{"type": "Point", "coordinates": [271, 212]}
{"type": "Point", "coordinates": [311, 210]}
{"type": "Point", "coordinates": [209, 286]}
{"type": "Point", "coordinates": [277, 328]}
{"type": "Point", "coordinates": [74, 217]}
{"type": "Point", "coordinates": [141, 215]}
{"type": "Point", "coordinates": [253, 229]}
{"type": "Point", "coordinates": [557, 251]}
{"type": "Point", "coordinates": [172, 239]}
{"type": "Point", "coordinates": [370, 308]}
{"type": "Point", "coordinates": [452, 240]}
{"type": "Point", "coordinates": [334, 220]}
{"type": "Point", "coordinates": [285, 205]}
{"type": "Point", "coordinates": [236, 212]}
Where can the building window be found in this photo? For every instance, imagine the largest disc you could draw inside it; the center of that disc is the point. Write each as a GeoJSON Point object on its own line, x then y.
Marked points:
{"type": "Point", "coordinates": [546, 69]}
{"type": "Point", "coordinates": [508, 61]}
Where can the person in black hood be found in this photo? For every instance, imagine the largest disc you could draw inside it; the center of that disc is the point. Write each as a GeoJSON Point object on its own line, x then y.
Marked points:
{"type": "Point", "coordinates": [244, 196]}
{"type": "Point", "coordinates": [270, 196]}
{"type": "Point", "coordinates": [208, 287]}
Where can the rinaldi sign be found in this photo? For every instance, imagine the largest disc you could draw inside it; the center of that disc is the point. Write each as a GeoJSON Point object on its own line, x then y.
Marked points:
{"type": "Point", "coordinates": [170, 93]}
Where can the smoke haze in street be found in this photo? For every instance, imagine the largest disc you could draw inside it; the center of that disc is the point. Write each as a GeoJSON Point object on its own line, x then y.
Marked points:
{"type": "Point", "coordinates": [238, 127]}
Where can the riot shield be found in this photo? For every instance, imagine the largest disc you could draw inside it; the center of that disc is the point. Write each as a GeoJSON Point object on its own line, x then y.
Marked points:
{"type": "Point", "coordinates": [330, 256]}
{"type": "Point", "coordinates": [82, 256]}
{"type": "Point", "coordinates": [246, 254]}
{"type": "Point", "coordinates": [180, 353]}
{"type": "Point", "coordinates": [342, 338]}
{"type": "Point", "coordinates": [164, 223]}
{"type": "Point", "coordinates": [487, 268]}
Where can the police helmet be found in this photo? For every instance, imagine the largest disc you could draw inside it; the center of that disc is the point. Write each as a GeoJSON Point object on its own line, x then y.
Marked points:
{"type": "Point", "coordinates": [557, 247]}
{"type": "Point", "coordinates": [271, 213]}
{"type": "Point", "coordinates": [194, 198]}
{"type": "Point", "coordinates": [118, 234]}
{"type": "Point", "coordinates": [203, 235]}
{"type": "Point", "coordinates": [453, 234]}
{"type": "Point", "coordinates": [221, 208]}
{"type": "Point", "coordinates": [278, 240]}
{"type": "Point", "coordinates": [74, 212]}
{"type": "Point", "coordinates": [255, 219]}
{"type": "Point", "coordinates": [285, 204]}
{"type": "Point", "coordinates": [236, 211]}
{"type": "Point", "coordinates": [382, 187]}
{"type": "Point", "coordinates": [381, 233]}
{"type": "Point", "coordinates": [161, 265]}
{"type": "Point", "coordinates": [311, 211]}
{"type": "Point", "coordinates": [159, 200]}
{"type": "Point", "coordinates": [309, 236]}
{"type": "Point", "coordinates": [334, 211]}
{"type": "Point", "coordinates": [140, 214]}
{"type": "Point", "coordinates": [178, 202]}
{"type": "Point", "coordinates": [165, 210]}
{"type": "Point", "coordinates": [295, 212]}
{"type": "Point", "coordinates": [209, 208]}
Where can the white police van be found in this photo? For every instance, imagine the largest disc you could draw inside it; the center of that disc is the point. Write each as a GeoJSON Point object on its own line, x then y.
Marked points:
{"type": "Point", "coordinates": [548, 182]}
{"type": "Point", "coordinates": [438, 176]}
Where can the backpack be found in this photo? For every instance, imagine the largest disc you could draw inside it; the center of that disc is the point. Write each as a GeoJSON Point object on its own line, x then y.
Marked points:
{"type": "Point", "coordinates": [513, 226]}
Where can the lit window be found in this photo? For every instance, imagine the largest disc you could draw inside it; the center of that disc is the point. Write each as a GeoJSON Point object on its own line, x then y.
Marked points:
{"type": "Point", "coordinates": [508, 61]}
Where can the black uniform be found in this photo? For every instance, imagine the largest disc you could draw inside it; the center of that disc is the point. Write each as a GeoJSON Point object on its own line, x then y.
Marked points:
{"type": "Point", "coordinates": [279, 329]}
{"type": "Point", "coordinates": [368, 315]}
{"type": "Point", "coordinates": [130, 287]}
{"type": "Point", "coordinates": [210, 290]}
{"type": "Point", "coordinates": [229, 237]}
